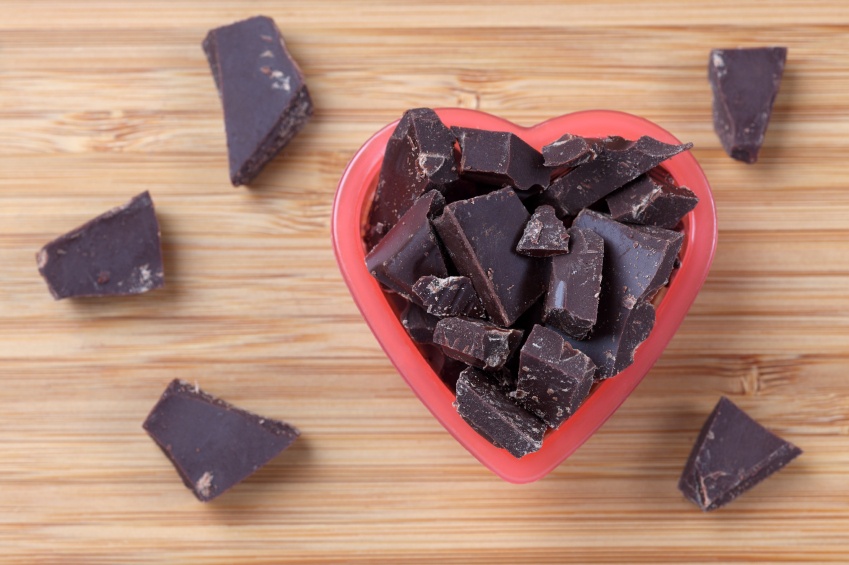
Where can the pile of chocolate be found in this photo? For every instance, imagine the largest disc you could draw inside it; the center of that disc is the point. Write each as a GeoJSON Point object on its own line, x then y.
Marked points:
{"type": "Point", "coordinates": [527, 276]}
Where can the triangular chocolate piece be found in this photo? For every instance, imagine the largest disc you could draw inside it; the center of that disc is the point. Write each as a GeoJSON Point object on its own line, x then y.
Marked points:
{"type": "Point", "coordinates": [570, 151]}
{"type": "Point", "coordinates": [262, 90]}
{"type": "Point", "coordinates": [116, 253]}
{"type": "Point", "coordinates": [545, 234]}
{"type": "Point", "coordinates": [500, 158]}
{"type": "Point", "coordinates": [419, 157]}
{"type": "Point", "coordinates": [619, 162]}
{"type": "Point", "coordinates": [410, 250]}
{"type": "Point", "coordinates": [732, 454]}
{"type": "Point", "coordinates": [212, 444]}
{"type": "Point", "coordinates": [745, 83]}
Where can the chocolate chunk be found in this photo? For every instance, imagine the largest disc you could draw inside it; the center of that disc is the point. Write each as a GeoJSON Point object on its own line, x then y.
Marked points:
{"type": "Point", "coordinates": [544, 235]}
{"type": "Point", "coordinates": [500, 158]}
{"type": "Point", "coordinates": [450, 296]}
{"type": "Point", "coordinates": [574, 285]}
{"type": "Point", "coordinates": [732, 454]}
{"type": "Point", "coordinates": [745, 83]}
{"type": "Point", "coordinates": [653, 199]}
{"type": "Point", "coordinates": [554, 379]}
{"type": "Point", "coordinates": [116, 253]}
{"type": "Point", "coordinates": [418, 323]}
{"type": "Point", "coordinates": [410, 250]}
{"type": "Point", "coordinates": [475, 342]}
{"type": "Point", "coordinates": [480, 235]}
{"type": "Point", "coordinates": [618, 162]}
{"type": "Point", "coordinates": [485, 406]}
{"type": "Point", "coordinates": [212, 444]}
{"type": "Point", "coordinates": [570, 151]}
{"type": "Point", "coordinates": [637, 263]}
{"type": "Point", "coordinates": [419, 157]}
{"type": "Point", "coordinates": [262, 90]}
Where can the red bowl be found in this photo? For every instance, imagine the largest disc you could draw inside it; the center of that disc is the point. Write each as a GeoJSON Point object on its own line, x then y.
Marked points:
{"type": "Point", "coordinates": [350, 211]}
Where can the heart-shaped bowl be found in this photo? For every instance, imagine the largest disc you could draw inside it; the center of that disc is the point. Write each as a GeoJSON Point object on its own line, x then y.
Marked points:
{"type": "Point", "coordinates": [350, 211]}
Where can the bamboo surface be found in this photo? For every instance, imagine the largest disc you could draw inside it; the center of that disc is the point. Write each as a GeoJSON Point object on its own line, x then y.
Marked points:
{"type": "Point", "coordinates": [100, 100]}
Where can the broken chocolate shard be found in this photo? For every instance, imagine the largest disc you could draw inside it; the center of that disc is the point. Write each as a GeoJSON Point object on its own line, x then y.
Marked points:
{"type": "Point", "coordinates": [653, 199]}
{"type": "Point", "coordinates": [262, 91]}
{"type": "Point", "coordinates": [410, 250]}
{"type": "Point", "coordinates": [745, 83]}
{"type": "Point", "coordinates": [480, 235]}
{"type": "Point", "coordinates": [638, 261]}
{"type": "Point", "coordinates": [619, 161]}
{"type": "Point", "coordinates": [554, 378]}
{"type": "Point", "coordinates": [475, 342]}
{"type": "Point", "coordinates": [500, 158]}
{"type": "Point", "coordinates": [419, 157]}
{"type": "Point", "coordinates": [116, 253]}
{"type": "Point", "coordinates": [418, 323]}
{"type": "Point", "coordinates": [545, 234]}
{"type": "Point", "coordinates": [732, 454]}
{"type": "Point", "coordinates": [485, 406]}
{"type": "Point", "coordinates": [449, 296]}
{"type": "Point", "coordinates": [570, 151]}
{"type": "Point", "coordinates": [574, 285]}
{"type": "Point", "coordinates": [212, 444]}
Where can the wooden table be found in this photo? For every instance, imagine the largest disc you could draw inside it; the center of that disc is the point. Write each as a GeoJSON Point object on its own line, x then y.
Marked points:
{"type": "Point", "coordinates": [100, 100]}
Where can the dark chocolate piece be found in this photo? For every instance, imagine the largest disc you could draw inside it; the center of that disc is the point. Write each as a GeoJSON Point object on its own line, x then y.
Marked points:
{"type": "Point", "coordinates": [485, 406]}
{"type": "Point", "coordinates": [732, 454]}
{"type": "Point", "coordinates": [116, 253]}
{"type": "Point", "coordinates": [619, 162]}
{"type": "Point", "coordinates": [410, 250]}
{"type": "Point", "coordinates": [574, 285]}
{"type": "Point", "coordinates": [745, 83]}
{"type": "Point", "coordinates": [418, 323]}
{"type": "Point", "coordinates": [419, 157]}
{"type": "Point", "coordinates": [475, 342]}
{"type": "Point", "coordinates": [637, 263]}
{"type": "Point", "coordinates": [554, 379]}
{"type": "Point", "coordinates": [480, 235]}
{"type": "Point", "coordinates": [545, 234]}
{"type": "Point", "coordinates": [500, 158]}
{"type": "Point", "coordinates": [212, 444]}
{"type": "Point", "coordinates": [449, 296]}
{"type": "Point", "coordinates": [570, 151]}
{"type": "Point", "coordinates": [262, 90]}
{"type": "Point", "coordinates": [653, 199]}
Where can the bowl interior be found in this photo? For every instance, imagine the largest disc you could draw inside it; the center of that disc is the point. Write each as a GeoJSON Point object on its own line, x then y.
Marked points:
{"type": "Point", "coordinates": [350, 210]}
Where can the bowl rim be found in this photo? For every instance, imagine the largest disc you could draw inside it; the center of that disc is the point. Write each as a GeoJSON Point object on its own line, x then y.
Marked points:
{"type": "Point", "coordinates": [350, 207]}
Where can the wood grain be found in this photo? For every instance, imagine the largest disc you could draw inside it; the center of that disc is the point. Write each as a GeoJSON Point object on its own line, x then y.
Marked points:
{"type": "Point", "coordinates": [100, 100]}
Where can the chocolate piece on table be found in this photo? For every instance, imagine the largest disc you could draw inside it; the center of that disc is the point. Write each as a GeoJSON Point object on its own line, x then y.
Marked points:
{"type": "Point", "coordinates": [569, 151]}
{"type": "Point", "coordinates": [545, 234]}
{"type": "Point", "coordinates": [480, 235]}
{"type": "Point", "coordinates": [554, 379]}
{"type": "Point", "coordinates": [475, 342]}
{"type": "Point", "coordinates": [744, 83]}
{"type": "Point", "coordinates": [485, 406]}
{"type": "Point", "coordinates": [410, 250]}
{"type": "Point", "coordinates": [262, 91]}
{"type": "Point", "coordinates": [116, 253]}
{"type": "Point", "coordinates": [500, 158]}
{"type": "Point", "coordinates": [637, 263]}
{"type": "Point", "coordinates": [574, 285]}
{"type": "Point", "coordinates": [212, 444]}
{"type": "Point", "coordinates": [449, 296]}
{"type": "Point", "coordinates": [419, 157]}
{"type": "Point", "coordinates": [418, 323]}
{"type": "Point", "coordinates": [653, 199]}
{"type": "Point", "coordinates": [619, 162]}
{"type": "Point", "coordinates": [732, 454]}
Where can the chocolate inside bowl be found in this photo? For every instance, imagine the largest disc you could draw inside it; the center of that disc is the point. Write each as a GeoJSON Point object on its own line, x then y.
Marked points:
{"type": "Point", "coordinates": [351, 210]}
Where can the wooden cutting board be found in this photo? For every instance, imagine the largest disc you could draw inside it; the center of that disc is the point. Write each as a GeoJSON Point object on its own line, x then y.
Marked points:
{"type": "Point", "coordinates": [100, 100]}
